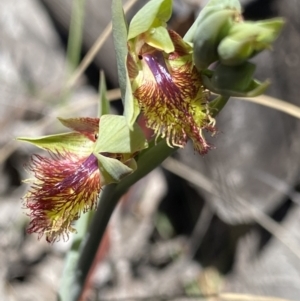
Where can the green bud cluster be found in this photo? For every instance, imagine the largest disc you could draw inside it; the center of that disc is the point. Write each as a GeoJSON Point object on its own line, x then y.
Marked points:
{"type": "Point", "coordinates": [246, 39]}
{"type": "Point", "coordinates": [211, 30]}
{"type": "Point", "coordinates": [221, 35]}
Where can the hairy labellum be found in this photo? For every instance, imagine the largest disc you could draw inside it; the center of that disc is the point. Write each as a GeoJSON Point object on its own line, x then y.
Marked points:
{"type": "Point", "coordinates": [170, 93]}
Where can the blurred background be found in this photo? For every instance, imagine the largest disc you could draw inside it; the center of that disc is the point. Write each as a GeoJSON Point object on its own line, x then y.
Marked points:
{"type": "Point", "coordinates": [225, 222]}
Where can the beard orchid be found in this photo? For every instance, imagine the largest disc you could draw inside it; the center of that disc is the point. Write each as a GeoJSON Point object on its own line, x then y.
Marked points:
{"type": "Point", "coordinates": [67, 182]}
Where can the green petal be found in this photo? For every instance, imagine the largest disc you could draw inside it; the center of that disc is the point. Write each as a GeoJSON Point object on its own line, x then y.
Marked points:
{"type": "Point", "coordinates": [81, 124]}
{"type": "Point", "coordinates": [119, 27]}
{"type": "Point", "coordinates": [233, 52]}
{"type": "Point", "coordinates": [265, 31]}
{"type": "Point", "coordinates": [103, 100]}
{"type": "Point", "coordinates": [67, 142]}
{"type": "Point", "coordinates": [159, 38]}
{"type": "Point", "coordinates": [155, 13]}
{"type": "Point", "coordinates": [116, 137]}
{"type": "Point", "coordinates": [113, 170]}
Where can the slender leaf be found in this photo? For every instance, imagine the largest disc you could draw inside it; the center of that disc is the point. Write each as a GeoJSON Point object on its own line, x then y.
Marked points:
{"type": "Point", "coordinates": [76, 29]}
{"type": "Point", "coordinates": [103, 100]}
{"type": "Point", "coordinates": [119, 29]}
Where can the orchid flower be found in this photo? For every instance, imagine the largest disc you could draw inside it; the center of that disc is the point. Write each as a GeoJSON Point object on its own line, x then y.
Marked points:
{"type": "Point", "coordinates": [68, 181]}
{"type": "Point", "coordinates": [166, 84]}
{"type": "Point", "coordinates": [169, 79]}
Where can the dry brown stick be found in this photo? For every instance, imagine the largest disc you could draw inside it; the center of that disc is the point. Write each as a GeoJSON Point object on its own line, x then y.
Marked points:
{"type": "Point", "coordinates": [259, 216]}
{"type": "Point", "coordinates": [276, 104]}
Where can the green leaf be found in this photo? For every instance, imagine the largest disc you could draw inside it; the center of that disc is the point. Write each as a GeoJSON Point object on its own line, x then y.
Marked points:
{"type": "Point", "coordinates": [119, 30]}
{"type": "Point", "coordinates": [71, 142]}
{"type": "Point", "coordinates": [113, 170]}
{"type": "Point", "coordinates": [131, 107]}
{"type": "Point", "coordinates": [155, 13]}
{"type": "Point", "coordinates": [103, 100]}
{"type": "Point", "coordinates": [116, 137]}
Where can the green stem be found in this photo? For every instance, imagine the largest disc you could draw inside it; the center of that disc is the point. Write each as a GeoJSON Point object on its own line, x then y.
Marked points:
{"type": "Point", "coordinates": [72, 257]}
{"type": "Point", "coordinates": [148, 160]}
{"type": "Point", "coordinates": [218, 104]}
{"type": "Point", "coordinates": [74, 42]}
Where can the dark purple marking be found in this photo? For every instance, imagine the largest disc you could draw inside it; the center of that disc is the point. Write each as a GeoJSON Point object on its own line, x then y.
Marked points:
{"type": "Point", "coordinates": [87, 168]}
{"type": "Point", "coordinates": [157, 65]}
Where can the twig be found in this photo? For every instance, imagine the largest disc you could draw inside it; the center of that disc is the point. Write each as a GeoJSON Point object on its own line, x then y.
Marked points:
{"type": "Point", "coordinates": [260, 217]}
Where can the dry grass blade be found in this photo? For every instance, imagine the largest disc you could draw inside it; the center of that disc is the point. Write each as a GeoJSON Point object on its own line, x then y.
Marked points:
{"type": "Point", "coordinates": [276, 104]}
{"type": "Point", "coordinates": [95, 49]}
{"type": "Point", "coordinates": [219, 297]}
{"type": "Point", "coordinates": [242, 297]}
{"type": "Point", "coordinates": [264, 100]}
{"type": "Point", "coordinates": [260, 217]}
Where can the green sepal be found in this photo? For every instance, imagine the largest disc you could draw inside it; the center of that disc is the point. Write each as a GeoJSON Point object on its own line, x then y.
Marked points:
{"type": "Point", "coordinates": [234, 81]}
{"type": "Point", "coordinates": [211, 7]}
{"type": "Point", "coordinates": [158, 37]}
{"type": "Point", "coordinates": [265, 31]}
{"type": "Point", "coordinates": [116, 137]}
{"type": "Point", "coordinates": [120, 31]}
{"type": "Point", "coordinates": [223, 4]}
{"type": "Point", "coordinates": [67, 142]}
{"type": "Point", "coordinates": [208, 34]}
{"type": "Point", "coordinates": [131, 107]}
{"type": "Point", "coordinates": [103, 107]}
{"type": "Point", "coordinates": [155, 13]}
{"type": "Point", "coordinates": [274, 24]}
{"type": "Point", "coordinates": [246, 39]}
{"type": "Point", "coordinates": [113, 170]}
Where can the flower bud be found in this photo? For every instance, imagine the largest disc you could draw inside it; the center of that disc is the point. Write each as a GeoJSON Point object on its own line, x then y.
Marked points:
{"type": "Point", "coordinates": [213, 27]}
{"type": "Point", "coordinates": [244, 40]}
